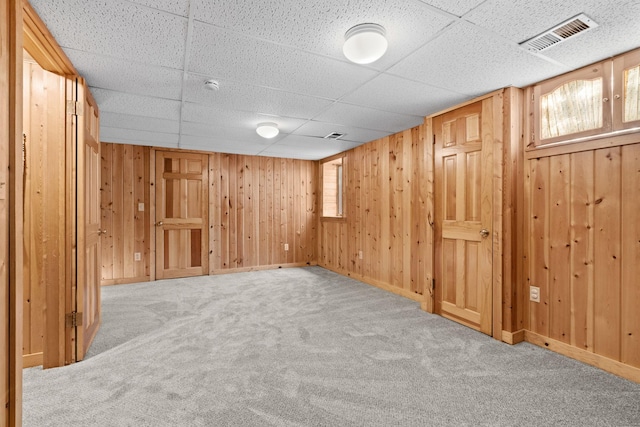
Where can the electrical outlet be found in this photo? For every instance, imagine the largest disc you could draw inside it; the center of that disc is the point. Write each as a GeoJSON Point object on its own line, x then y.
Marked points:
{"type": "Point", "coordinates": [360, 255]}
{"type": "Point", "coordinates": [286, 246]}
{"type": "Point", "coordinates": [141, 207]}
{"type": "Point", "coordinates": [534, 293]}
{"type": "Point", "coordinates": [137, 256]}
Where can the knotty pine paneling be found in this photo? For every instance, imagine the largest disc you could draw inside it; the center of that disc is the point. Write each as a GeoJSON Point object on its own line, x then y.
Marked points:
{"type": "Point", "coordinates": [44, 203]}
{"type": "Point", "coordinates": [256, 206]}
{"type": "Point", "coordinates": [125, 185]}
{"type": "Point", "coordinates": [583, 250]}
{"type": "Point", "coordinates": [387, 216]}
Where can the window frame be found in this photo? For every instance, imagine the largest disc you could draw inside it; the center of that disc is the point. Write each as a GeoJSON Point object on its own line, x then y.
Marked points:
{"type": "Point", "coordinates": [340, 188]}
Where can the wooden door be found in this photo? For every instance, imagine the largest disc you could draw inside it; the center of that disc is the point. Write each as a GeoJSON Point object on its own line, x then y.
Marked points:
{"type": "Point", "coordinates": [84, 319]}
{"type": "Point", "coordinates": [182, 235]}
{"type": "Point", "coordinates": [463, 216]}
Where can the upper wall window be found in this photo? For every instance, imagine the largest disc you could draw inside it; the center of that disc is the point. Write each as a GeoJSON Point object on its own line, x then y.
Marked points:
{"type": "Point", "coordinates": [574, 107]}
{"type": "Point", "coordinates": [632, 94]}
{"type": "Point", "coordinates": [333, 188]}
{"type": "Point", "coordinates": [589, 103]}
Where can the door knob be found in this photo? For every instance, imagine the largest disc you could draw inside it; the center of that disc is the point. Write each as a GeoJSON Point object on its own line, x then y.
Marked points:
{"type": "Point", "coordinates": [159, 224]}
{"type": "Point", "coordinates": [484, 232]}
{"type": "Point", "coordinates": [102, 232]}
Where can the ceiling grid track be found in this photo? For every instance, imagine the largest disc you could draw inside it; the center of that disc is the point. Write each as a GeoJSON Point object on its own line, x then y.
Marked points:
{"type": "Point", "coordinates": [185, 72]}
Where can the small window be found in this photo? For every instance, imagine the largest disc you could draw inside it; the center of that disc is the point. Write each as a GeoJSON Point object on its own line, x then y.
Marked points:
{"type": "Point", "coordinates": [574, 107]}
{"type": "Point", "coordinates": [632, 94]}
{"type": "Point", "coordinates": [332, 189]}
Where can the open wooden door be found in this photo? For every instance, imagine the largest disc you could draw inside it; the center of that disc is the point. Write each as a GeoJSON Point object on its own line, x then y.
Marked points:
{"type": "Point", "coordinates": [182, 225]}
{"type": "Point", "coordinates": [463, 215]}
{"type": "Point", "coordinates": [84, 320]}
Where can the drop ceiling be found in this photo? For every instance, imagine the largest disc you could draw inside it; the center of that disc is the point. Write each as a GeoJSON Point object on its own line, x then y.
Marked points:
{"type": "Point", "coordinates": [146, 62]}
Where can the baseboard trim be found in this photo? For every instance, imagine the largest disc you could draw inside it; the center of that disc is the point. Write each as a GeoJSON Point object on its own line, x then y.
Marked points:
{"type": "Point", "coordinates": [262, 267]}
{"type": "Point", "coordinates": [513, 337]}
{"type": "Point", "coordinates": [31, 360]}
{"type": "Point", "coordinates": [378, 284]}
{"type": "Point", "coordinates": [125, 281]}
{"type": "Point", "coordinates": [613, 366]}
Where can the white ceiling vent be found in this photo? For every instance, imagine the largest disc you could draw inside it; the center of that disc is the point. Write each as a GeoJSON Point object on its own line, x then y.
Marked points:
{"type": "Point", "coordinates": [334, 135]}
{"type": "Point", "coordinates": [559, 33]}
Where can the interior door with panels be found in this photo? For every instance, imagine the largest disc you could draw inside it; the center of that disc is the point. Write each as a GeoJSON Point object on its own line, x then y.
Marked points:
{"type": "Point", "coordinates": [182, 235]}
{"type": "Point", "coordinates": [463, 214]}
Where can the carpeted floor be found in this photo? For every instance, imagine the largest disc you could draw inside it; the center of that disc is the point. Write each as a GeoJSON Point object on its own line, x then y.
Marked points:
{"type": "Point", "coordinates": [305, 346]}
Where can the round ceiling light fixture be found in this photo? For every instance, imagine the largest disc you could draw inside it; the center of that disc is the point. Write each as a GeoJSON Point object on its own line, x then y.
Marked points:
{"type": "Point", "coordinates": [267, 130]}
{"type": "Point", "coordinates": [365, 43]}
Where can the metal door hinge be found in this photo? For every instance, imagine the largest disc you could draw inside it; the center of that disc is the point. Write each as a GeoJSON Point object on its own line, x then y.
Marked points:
{"type": "Point", "coordinates": [73, 319]}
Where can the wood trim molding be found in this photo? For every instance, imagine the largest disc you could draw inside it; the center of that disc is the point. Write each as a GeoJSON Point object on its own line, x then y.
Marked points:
{"type": "Point", "coordinates": [513, 337]}
{"type": "Point", "coordinates": [41, 44]}
{"type": "Point", "coordinates": [613, 366]}
{"type": "Point", "coordinates": [128, 280]}
{"type": "Point", "coordinates": [11, 75]}
{"type": "Point", "coordinates": [262, 267]}
{"type": "Point", "coordinates": [384, 286]}
{"type": "Point", "coordinates": [463, 104]}
{"type": "Point", "coordinates": [31, 360]}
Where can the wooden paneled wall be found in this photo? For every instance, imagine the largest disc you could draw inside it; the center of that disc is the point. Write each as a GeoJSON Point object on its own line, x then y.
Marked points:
{"type": "Point", "coordinates": [125, 189]}
{"type": "Point", "coordinates": [583, 251]}
{"type": "Point", "coordinates": [387, 216]}
{"type": "Point", "coordinates": [256, 206]}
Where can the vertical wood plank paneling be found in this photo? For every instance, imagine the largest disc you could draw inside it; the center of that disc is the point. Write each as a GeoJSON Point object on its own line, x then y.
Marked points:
{"type": "Point", "coordinates": [138, 215]}
{"type": "Point", "coordinates": [607, 265]}
{"type": "Point", "coordinates": [128, 211]}
{"type": "Point", "coordinates": [630, 293]}
{"type": "Point", "coordinates": [106, 208]}
{"type": "Point", "coordinates": [559, 249]}
{"type": "Point", "coordinates": [594, 295]}
{"type": "Point", "coordinates": [387, 215]}
{"type": "Point", "coordinates": [539, 263]}
{"type": "Point", "coordinates": [117, 207]}
{"type": "Point", "coordinates": [582, 229]}
{"type": "Point", "coordinates": [125, 184]}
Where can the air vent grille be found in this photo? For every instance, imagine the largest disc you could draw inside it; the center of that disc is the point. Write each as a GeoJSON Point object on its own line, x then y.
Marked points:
{"type": "Point", "coordinates": [334, 135]}
{"type": "Point", "coordinates": [561, 32]}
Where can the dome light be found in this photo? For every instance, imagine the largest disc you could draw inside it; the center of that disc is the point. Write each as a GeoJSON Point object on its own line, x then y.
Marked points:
{"type": "Point", "coordinates": [365, 43]}
{"type": "Point", "coordinates": [267, 130]}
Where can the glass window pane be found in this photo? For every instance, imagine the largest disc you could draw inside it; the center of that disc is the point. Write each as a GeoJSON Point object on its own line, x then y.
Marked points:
{"type": "Point", "coordinates": [574, 107]}
{"type": "Point", "coordinates": [632, 94]}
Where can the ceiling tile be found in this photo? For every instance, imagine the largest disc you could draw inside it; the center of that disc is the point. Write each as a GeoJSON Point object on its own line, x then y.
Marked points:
{"type": "Point", "coordinates": [468, 60]}
{"type": "Point", "coordinates": [126, 121]}
{"type": "Point", "coordinates": [321, 129]}
{"type": "Point", "coordinates": [519, 20]}
{"type": "Point", "coordinates": [178, 7]}
{"type": "Point", "coordinates": [456, 7]}
{"type": "Point", "coordinates": [142, 79]}
{"type": "Point", "coordinates": [228, 118]}
{"type": "Point", "coordinates": [221, 146]}
{"type": "Point", "coordinates": [125, 103]}
{"type": "Point", "coordinates": [245, 97]}
{"type": "Point", "coordinates": [368, 118]}
{"type": "Point", "coordinates": [611, 37]}
{"type": "Point", "coordinates": [111, 134]}
{"type": "Point", "coordinates": [320, 26]}
{"type": "Point", "coordinates": [303, 147]}
{"type": "Point", "coordinates": [227, 134]}
{"type": "Point", "coordinates": [116, 28]}
{"type": "Point", "coordinates": [229, 56]}
{"type": "Point", "coordinates": [403, 96]}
